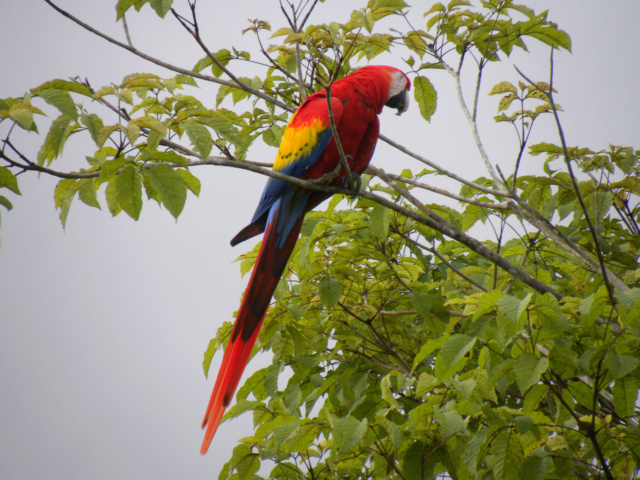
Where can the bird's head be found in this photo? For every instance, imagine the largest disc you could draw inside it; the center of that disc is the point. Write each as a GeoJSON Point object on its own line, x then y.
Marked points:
{"type": "Point", "coordinates": [398, 88]}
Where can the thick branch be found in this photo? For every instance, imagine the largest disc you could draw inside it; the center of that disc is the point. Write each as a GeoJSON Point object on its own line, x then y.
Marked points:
{"type": "Point", "coordinates": [438, 223]}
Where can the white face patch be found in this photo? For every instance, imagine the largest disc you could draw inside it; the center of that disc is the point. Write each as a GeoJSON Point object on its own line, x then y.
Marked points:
{"type": "Point", "coordinates": [398, 97]}
{"type": "Point", "coordinates": [398, 84]}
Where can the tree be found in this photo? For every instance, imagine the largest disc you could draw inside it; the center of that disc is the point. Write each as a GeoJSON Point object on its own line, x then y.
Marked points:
{"type": "Point", "coordinates": [415, 347]}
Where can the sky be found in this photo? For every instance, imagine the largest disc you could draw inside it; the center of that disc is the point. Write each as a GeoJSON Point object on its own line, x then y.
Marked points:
{"type": "Point", "coordinates": [103, 324]}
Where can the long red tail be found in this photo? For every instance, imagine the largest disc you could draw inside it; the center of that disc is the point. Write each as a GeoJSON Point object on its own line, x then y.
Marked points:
{"type": "Point", "coordinates": [267, 271]}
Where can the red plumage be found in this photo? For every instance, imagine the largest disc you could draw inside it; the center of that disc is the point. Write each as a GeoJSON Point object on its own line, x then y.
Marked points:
{"type": "Point", "coordinates": [306, 151]}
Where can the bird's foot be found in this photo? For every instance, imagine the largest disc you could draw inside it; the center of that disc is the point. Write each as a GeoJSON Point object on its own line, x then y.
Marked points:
{"type": "Point", "coordinates": [352, 183]}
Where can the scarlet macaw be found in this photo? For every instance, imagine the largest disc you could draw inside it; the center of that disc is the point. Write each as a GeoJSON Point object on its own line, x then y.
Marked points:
{"type": "Point", "coordinates": [307, 151]}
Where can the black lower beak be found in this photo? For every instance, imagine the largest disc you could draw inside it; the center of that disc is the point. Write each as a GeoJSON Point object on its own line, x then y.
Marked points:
{"type": "Point", "coordinates": [399, 102]}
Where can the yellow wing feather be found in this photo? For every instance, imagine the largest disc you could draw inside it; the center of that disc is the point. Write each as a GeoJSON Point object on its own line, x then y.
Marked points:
{"type": "Point", "coordinates": [299, 141]}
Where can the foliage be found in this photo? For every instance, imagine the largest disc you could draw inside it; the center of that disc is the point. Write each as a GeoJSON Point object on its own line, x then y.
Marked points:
{"type": "Point", "coordinates": [402, 347]}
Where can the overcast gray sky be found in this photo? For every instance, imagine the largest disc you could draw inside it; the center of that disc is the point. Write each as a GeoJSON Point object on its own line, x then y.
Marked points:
{"type": "Point", "coordinates": [103, 326]}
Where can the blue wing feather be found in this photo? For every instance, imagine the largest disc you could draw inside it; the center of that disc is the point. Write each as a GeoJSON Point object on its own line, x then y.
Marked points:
{"type": "Point", "coordinates": [275, 187]}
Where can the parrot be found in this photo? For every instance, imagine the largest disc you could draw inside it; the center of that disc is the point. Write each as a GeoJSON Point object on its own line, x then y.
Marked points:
{"type": "Point", "coordinates": [307, 151]}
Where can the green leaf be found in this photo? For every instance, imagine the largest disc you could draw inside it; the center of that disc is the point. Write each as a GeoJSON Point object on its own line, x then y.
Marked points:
{"type": "Point", "coordinates": [379, 222]}
{"type": "Point", "coordinates": [273, 135]}
{"type": "Point", "coordinates": [112, 197]}
{"type": "Point", "coordinates": [241, 406]}
{"type": "Point", "coordinates": [347, 432]}
{"type": "Point", "coordinates": [270, 381]}
{"type": "Point", "coordinates": [168, 157]}
{"type": "Point", "coordinates": [529, 369]}
{"type": "Point", "coordinates": [61, 99]}
{"type": "Point", "coordinates": [123, 5]}
{"type": "Point", "coordinates": [223, 56]}
{"type": "Point", "coordinates": [551, 36]}
{"type": "Point", "coordinates": [625, 395]}
{"type": "Point", "coordinates": [129, 191]}
{"type": "Point", "coordinates": [359, 19]}
{"type": "Point", "coordinates": [500, 448]}
{"type": "Point", "coordinates": [22, 114]}
{"type": "Point", "coordinates": [393, 4]}
{"type": "Point", "coordinates": [453, 355]}
{"type": "Point", "coordinates": [292, 398]}
{"type": "Point", "coordinates": [450, 421]}
{"type": "Point", "coordinates": [436, 7]}
{"type": "Point", "coordinates": [63, 196]}
{"type": "Point", "coordinates": [66, 85]}
{"type": "Point", "coordinates": [523, 423]}
{"type": "Point", "coordinates": [53, 144]}
{"type": "Point", "coordinates": [392, 429]}
{"type": "Point", "coordinates": [487, 303]}
{"type": "Point", "coordinates": [513, 307]}
{"type": "Point", "coordinates": [423, 303]}
{"type": "Point", "coordinates": [150, 123]}
{"type": "Point", "coordinates": [472, 449]}
{"type": "Point", "coordinates": [508, 305]}
{"type": "Point", "coordinates": [132, 131]}
{"type": "Point", "coordinates": [161, 6]}
{"type": "Point", "coordinates": [248, 465]}
{"type": "Point", "coordinates": [426, 96]}
{"type": "Point", "coordinates": [200, 137]}
{"type": "Point", "coordinates": [169, 185]}
{"type": "Point", "coordinates": [87, 192]}
{"type": "Point", "coordinates": [455, 348]}
{"type": "Point", "coordinates": [534, 396]}
{"type": "Point", "coordinates": [503, 87]}
{"type": "Point", "coordinates": [8, 180]}
{"type": "Point", "coordinates": [330, 290]}
{"type": "Point", "coordinates": [212, 348]}
{"type": "Point", "coordinates": [536, 468]}
{"type": "Point", "coordinates": [412, 461]}
{"type": "Point", "coordinates": [284, 432]}
{"type": "Point", "coordinates": [387, 394]}
{"type": "Point", "coordinates": [620, 365]}
{"type": "Point", "coordinates": [506, 101]}
{"type": "Point", "coordinates": [105, 133]}
{"type": "Point", "coordinates": [4, 201]}
{"type": "Point", "coordinates": [192, 182]}
{"type": "Point", "coordinates": [94, 125]}
{"type": "Point", "coordinates": [550, 314]}
{"type": "Point", "coordinates": [426, 350]}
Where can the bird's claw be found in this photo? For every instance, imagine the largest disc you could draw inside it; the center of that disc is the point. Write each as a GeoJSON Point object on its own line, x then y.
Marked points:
{"type": "Point", "coordinates": [352, 183]}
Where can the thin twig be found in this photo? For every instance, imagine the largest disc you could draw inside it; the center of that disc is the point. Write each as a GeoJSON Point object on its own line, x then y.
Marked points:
{"type": "Point", "coordinates": [174, 68]}
{"type": "Point", "coordinates": [606, 275]}
{"type": "Point", "coordinates": [474, 127]}
{"type": "Point", "coordinates": [336, 138]}
{"type": "Point", "coordinates": [195, 33]}
{"type": "Point", "coordinates": [445, 261]}
{"type": "Point", "coordinates": [436, 222]}
{"type": "Point", "coordinates": [126, 30]}
{"type": "Point", "coordinates": [446, 193]}
{"type": "Point", "coordinates": [442, 170]}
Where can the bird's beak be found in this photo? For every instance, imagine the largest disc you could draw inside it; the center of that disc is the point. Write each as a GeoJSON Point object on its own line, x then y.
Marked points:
{"type": "Point", "coordinates": [399, 101]}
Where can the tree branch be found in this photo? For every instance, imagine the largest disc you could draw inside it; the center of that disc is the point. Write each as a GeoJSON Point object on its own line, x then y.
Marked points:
{"type": "Point", "coordinates": [442, 170]}
{"type": "Point", "coordinates": [474, 127]}
{"type": "Point", "coordinates": [608, 276]}
{"type": "Point", "coordinates": [446, 193]}
{"type": "Point", "coordinates": [174, 68]}
{"type": "Point", "coordinates": [436, 222]}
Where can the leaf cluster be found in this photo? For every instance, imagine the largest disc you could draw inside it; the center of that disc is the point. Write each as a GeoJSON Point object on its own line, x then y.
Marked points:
{"type": "Point", "coordinates": [402, 347]}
